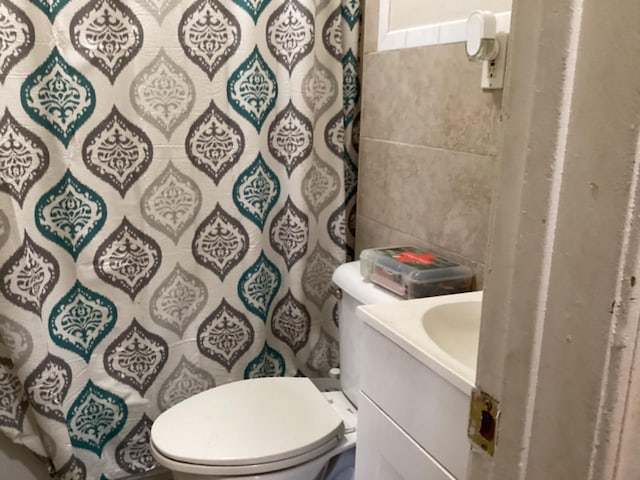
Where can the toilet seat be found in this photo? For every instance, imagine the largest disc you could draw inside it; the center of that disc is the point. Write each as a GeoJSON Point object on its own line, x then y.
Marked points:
{"type": "Point", "coordinates": [242, 470]}
{"type": "Point", "coordinates": [247, 427]}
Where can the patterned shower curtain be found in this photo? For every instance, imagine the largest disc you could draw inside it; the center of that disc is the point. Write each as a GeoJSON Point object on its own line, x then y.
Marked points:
{"type": "Point", "coordinates": [177, 184]}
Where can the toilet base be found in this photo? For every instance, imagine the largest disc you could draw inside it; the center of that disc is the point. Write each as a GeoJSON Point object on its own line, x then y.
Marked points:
{"type": "Point", "coordinates": [341, 467]}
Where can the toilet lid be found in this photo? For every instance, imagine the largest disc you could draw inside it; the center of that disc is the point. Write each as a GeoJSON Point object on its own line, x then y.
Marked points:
{"type": "Point", "coordinates": [247, 422]}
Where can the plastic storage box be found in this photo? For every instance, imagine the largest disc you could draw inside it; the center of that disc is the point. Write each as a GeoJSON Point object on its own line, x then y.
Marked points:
{"type": "Point", "coordinates": [413, 273]}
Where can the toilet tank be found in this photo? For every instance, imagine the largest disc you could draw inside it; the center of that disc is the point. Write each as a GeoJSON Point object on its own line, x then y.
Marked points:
{"type": "Point", "coordinates": [355, 291]}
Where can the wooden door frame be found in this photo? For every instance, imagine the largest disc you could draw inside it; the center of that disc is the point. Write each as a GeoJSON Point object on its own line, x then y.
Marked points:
{"type": "Point", "coordinates": [560, 316]}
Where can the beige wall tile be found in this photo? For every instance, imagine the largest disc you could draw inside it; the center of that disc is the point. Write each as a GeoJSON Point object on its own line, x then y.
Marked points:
{"type": "Point", "coordinates": [429, 96]}
{"type": "Point", "coordinates": [439, 196]}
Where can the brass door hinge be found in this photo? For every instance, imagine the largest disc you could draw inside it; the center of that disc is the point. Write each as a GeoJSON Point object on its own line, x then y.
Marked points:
{"type": "Point", "coordinates": [483, 421]}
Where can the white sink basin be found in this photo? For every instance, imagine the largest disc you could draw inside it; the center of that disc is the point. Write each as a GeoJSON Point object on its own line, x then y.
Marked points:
{"type": "Point", "coordinates": [455, 328]}
{"type": "Point", "coordinates": [441, 332]}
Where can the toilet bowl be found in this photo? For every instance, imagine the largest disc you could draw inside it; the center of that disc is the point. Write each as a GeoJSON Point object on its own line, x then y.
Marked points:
{"type": "Point", "coordinates": [270, 428]}
{"type": "Point", "coordinates": [267, 428]}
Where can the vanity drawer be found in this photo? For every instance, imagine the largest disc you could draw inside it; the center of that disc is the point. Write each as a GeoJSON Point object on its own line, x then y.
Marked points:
{"type": "Point", "coordinates": [385, 452]}
{"type": "Point", "coordinates": [431, 410]}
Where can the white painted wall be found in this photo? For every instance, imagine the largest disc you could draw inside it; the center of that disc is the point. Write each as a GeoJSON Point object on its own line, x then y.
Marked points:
{"type": "Point", "coordinates": [415, 13]}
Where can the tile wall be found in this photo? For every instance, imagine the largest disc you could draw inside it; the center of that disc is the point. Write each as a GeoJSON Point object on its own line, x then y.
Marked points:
{"type": "Point", "coordinates": [427, 154]}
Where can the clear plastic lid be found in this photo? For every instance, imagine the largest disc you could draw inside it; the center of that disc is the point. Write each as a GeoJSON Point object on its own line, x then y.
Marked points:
{"type": "Point", "coordinates": [414, 273]}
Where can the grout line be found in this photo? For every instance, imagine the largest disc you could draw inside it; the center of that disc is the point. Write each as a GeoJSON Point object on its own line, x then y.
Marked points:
{"type": "Point", "coordinates": [430, 147]}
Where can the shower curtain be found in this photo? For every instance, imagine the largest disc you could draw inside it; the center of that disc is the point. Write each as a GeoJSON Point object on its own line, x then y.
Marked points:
{"type": "Point", "coordinates": [177, 184]}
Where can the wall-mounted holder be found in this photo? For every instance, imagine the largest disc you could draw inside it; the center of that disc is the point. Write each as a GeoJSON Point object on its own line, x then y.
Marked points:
{"type": "Point", "coordinates": [484, 44]}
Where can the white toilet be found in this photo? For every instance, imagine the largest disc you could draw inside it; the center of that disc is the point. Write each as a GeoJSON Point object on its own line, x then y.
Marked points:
{"type": "Point", "coordinates": [271, 428]}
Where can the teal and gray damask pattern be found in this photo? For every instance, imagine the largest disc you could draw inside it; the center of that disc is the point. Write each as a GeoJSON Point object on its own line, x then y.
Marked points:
{"type": "Point", "coordinates": [178, 300]}
{"type": "Point", "coordinates": [28, 276]}
{"type": "Point", "coordinates": [177, 185]}
{"type": "Point", "coordinates": [186, 380]}
{"type": "Point", "coordinates": [23, 158]}
{"type": "Point", "coordinates": [163, 94]}
{"type": "Point", "coordinates": [117, 152]}
{"type": "Point", "coordinates": [290, 33]}
{"type": "Point", "coordinates": [215, 143]}
{"type": "Point", "coordinates": [108, 34]}
{"type": "Point", "coordinates": [16, 37]}
{"type": "Point", "coordinates": [225, 335]}
{"type": "Point", "coordinates": [171, 202]}
{"type": "Point", "coordinates": [252, 89]}
{"type": "Point", "coordinates": [70, 214]}
{"type": "Point", "coordinates": [209, 35]}
{"type": "Point", "coordinates": [95, 417]}
{"type": "Point", "coordinates": [81, 320]}
{"type": "Point", "coordinates": [47, 387]}
{"type": "Point", "coordinates": [58, 97]}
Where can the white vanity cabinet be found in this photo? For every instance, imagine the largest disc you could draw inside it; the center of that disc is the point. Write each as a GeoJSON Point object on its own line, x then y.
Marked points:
{"type": "Point", "coordinates": [386, 452]}
{"type": "Point", "coordinates": [412, 420]}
